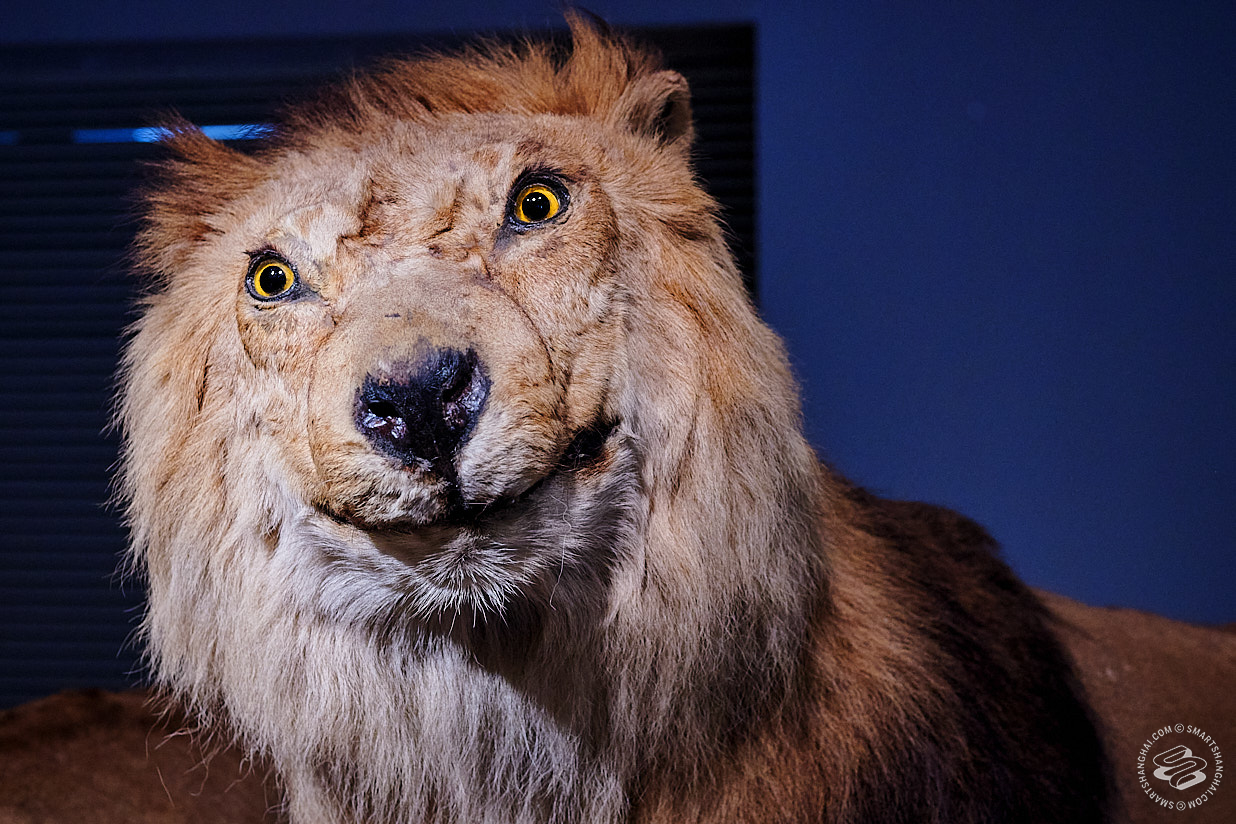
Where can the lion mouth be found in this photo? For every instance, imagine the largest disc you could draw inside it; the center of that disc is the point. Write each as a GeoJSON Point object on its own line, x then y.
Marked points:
{"type": "Point", "coordinates": [420, 493]}
{"type": "Point", "coordinates": [476, 557]}
{"type": "Point", "coordinates": [586, 454]}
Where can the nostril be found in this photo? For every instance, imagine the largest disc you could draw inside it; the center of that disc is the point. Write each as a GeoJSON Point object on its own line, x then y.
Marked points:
{"type": "Point", "coordinates": [384, 417]}
{"type": "Point", "coordinates": [382, 409]}
{"type": "Point", "coordinates": [463, 394]}
{"type": "Point", "coordinates": [456, 375]}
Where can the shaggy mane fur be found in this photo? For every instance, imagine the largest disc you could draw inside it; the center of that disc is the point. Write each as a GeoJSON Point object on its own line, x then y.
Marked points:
{"type": "Point", "coordinates": [531, 77]}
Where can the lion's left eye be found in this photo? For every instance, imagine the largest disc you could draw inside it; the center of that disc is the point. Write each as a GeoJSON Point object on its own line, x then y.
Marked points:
{"type": "Point", "coordinates": [271, 278]}
{"type": "Point", "coordinates": [537, 203]}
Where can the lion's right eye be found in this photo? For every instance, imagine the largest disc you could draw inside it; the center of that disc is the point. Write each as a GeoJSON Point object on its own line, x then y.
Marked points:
{"type": "Point", "coordinates": [536, 204]}
{"type": "Point", "coordinates": [536, 201]}
{"type": "Point", "coordinates": [271, 278]}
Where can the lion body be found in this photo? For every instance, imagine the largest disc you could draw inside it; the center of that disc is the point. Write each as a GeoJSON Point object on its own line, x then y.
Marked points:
{"type": "Point", "coordinates": [629, 592]}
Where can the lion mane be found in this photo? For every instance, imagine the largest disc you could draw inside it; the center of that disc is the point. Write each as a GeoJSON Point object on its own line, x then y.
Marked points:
{"type": "Point", "coordinates": [468, 486]}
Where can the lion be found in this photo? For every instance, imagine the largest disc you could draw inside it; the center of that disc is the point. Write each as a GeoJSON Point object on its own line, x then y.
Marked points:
{"type": "Point", "coordinates": [468, 485]}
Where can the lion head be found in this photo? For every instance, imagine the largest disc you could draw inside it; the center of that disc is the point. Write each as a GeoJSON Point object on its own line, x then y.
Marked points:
{"type": "Point", "coordinates": [453, 445]}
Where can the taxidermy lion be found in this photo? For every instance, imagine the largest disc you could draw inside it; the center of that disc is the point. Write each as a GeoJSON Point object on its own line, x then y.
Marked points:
{"type": "Point", "coordinates": [470, 488]}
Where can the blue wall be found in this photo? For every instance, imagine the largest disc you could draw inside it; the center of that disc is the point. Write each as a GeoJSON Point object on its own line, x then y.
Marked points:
{"type": "Point", "coordinates": [998, 238]}
{"type": "Point", "coordinates": [1001, 244]}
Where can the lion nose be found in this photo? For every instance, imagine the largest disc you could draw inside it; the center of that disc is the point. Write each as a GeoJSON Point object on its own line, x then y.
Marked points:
{"type": "Point", "coordinates": [421, 413]}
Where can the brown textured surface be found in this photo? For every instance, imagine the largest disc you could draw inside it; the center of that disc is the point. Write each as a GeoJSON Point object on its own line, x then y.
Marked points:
{"type": "Point", "coordinates": [1144, 672]}
{"type": "Point", "coordinates": [92, 757]}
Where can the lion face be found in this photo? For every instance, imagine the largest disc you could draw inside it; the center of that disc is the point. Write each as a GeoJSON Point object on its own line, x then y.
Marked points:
{"type": "Point", "coordinates": [450, 318]}
{"type": "Point", "coordinates": [430, 329]}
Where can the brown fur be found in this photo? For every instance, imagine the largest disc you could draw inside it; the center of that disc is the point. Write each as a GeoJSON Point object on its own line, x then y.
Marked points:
{"type": "Point", "coordinates": [633, 594]}
{"type": "Point", "coordinates": [90, 757]}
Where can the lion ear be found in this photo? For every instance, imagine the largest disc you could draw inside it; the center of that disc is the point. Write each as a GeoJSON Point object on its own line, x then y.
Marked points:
{"type": "Point", "coordinates": [658, 105]}
{"type": "Point", "coordinates": [197, 177]}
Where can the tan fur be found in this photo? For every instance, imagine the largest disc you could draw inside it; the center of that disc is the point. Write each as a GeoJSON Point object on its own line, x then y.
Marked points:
{"type": "Point", "coordinates": [691, 621]}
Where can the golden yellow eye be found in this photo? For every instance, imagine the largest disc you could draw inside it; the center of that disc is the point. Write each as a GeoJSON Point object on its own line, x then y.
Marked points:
{"type": "Point", "coordinates": [536, 203]}
{"type": "Point", "coordinates": [270, 278]}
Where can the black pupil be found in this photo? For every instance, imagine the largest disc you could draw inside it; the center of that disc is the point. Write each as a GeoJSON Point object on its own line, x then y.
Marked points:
{"type": "Point", "coordinates": [272, 280]}
{"type": "Point", "coordinates": [537, 206]}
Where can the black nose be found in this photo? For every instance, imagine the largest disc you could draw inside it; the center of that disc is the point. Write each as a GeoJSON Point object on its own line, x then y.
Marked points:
{"type": "Point", "coordinates": [420, 413]}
